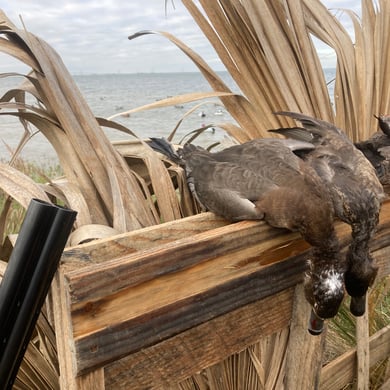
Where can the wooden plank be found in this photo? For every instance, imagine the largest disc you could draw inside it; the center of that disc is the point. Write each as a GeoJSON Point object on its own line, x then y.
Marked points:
{"type": "Point", "coordinates": [384, 217]}
{"type": "Point", "coordinates": [106, 249]}
{"type": "Point", "coordinates": [98, 322]}
{"type": "Point", "coordinates": [363, 351]}
{"type": "Point", "coordinates": [64, 335]}
{"type": "Point", "coordinates": [342, 370]}
{"type": "Point", "coordinates": [177, 358]}
{"type": "Point", "coordinates": [339, 372]}
{"type": "Point", "coordinates": [304, 351]}
{"type": "Point", "coordinates": [381, 257]}
{"type": "Point", "coordinates": [380, 345]}
{"type": "Point", "coordinates": [91, 381]}
{"type": "Point", "coordinates": [98, 280]}
{"type": "Point", "coordinates": [147, 295]}
{"type": "Point", "coordinates": [197, 300]}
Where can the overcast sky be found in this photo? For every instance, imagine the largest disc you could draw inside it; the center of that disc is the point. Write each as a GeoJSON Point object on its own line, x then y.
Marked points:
{"type": "Point", "coordinates": [91, 36]}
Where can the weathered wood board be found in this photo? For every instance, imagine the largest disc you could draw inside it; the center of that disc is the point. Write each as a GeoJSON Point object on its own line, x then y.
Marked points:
{"type": "Point", "coordinates": [167, 301]}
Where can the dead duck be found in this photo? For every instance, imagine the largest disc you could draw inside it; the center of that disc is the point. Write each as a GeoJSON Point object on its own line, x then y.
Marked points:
{"type": "Point", "coordinates": [377, 149]}
{"type": "Point", "coordinates": [355, 191]}
{"type": "Point", "coordinates": [264, 179]}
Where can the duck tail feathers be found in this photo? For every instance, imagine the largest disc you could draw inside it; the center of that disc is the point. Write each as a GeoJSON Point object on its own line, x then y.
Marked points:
{"type": "Point", "coordinates": [317, 126]}
{"type": "Point", "coordinates": [164, 147]}
{"type": "Point", "coordinates": [295, 133]}
{"type": "Point", "coordinates": [384, 123]}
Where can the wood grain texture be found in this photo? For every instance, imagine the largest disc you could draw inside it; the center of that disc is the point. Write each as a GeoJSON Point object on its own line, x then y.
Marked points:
{"type": "Point", "coordinates": [174, 306]}
{"type": "Point", "coordinates": [342, 370]}
{"type": "Point", "coordinates": [103, 250]}
{"type": "Point", "coordinates": [63, 330]}
{"type": "Point", "coordinates": [363, 351]}
{"type": "Point", "coordinates": [304, 352]}
{"type": "Point", "coordinates": [91, 381]}
{"type": "Point", "coordinates": [98, 280]}
{"type": "Point", "coordinates": [175, 359]}
{"type": "Point", "coordinates": [135, 296]}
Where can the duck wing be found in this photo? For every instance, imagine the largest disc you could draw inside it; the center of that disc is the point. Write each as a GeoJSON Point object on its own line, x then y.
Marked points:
{"type": "Point", "coordinates": [351, 178]}
{"type": "Point", "coordinates": [317, 126]}
{"type": "Point", "coordinates": [268, 158]}
{"type": "Point", "coordinates": [298, 134]}
{"type": "Point", "coordinates": [224, 187]}
{"type": "Point", "coordinates": [333, 145]}
{"type": "Point", "coordinates": [315, 131]}
{"type": "Point", "coordinates": [384, 123]}
{"type": "Point", "coordinates": [261, 179]}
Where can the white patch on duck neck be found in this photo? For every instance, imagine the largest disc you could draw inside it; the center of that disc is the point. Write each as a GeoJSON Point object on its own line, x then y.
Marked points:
{"type": "Point", "coordinates": [332, 281]}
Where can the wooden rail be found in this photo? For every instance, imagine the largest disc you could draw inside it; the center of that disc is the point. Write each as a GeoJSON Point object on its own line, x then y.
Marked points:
{"type": "Point", "coordinates": [150, 308]}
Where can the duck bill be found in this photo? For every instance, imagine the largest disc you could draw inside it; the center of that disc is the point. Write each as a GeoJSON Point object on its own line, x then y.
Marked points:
{"type": "Point", "coordinates": [316, 324]}
{"type": "Point", "coordinates": [358, 305]}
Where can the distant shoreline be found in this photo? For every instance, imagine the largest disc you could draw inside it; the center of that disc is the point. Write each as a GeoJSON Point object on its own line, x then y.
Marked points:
{"type": "Point", "coordinates": [159, 73]}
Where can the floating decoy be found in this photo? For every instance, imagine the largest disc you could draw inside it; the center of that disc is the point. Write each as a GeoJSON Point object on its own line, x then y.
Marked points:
{"type": "Point", "coordinates": [355, 190]}
{"type": "Point", "coordinates": [264, 179]}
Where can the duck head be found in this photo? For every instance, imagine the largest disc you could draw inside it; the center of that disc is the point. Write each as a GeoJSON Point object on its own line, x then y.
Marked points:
{"type": "Point", "coordinates": [361, 270]}
{"type": "Point", "coordinates": [359, 276]}
{"type": "Point", "coordinates": [324, 290]}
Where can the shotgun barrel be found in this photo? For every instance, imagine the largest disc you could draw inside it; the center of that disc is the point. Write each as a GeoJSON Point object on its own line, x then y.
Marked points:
{"type": "Point", "coordinates": [27, 279]}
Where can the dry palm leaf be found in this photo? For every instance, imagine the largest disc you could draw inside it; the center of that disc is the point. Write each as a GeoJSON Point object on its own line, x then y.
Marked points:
{"type": "Point", "coordinates": [261, 366]}
{"type": "Point", "coordinates": [96, 174]}
{"type": "Point", "coordinates": [237, 105]}
{"type": "Point", "coordinates": [171, 101]}
{"type": "Point", "coordinates": [39, 368]}
{"type": "Point", "coordinates": [19, 186]}
{"type": "Point", "coordinates": [267, 48]}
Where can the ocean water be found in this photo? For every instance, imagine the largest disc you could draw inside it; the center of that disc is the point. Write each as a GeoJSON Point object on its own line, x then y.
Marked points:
{"type": "Point", "coordinates": [110, 94]}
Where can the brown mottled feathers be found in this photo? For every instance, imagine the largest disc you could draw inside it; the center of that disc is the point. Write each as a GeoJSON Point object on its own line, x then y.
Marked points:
{"type": "Point", "coordinates": [377, 149]}
{"type": "Point", "coordinates": [356, 194]}
{"type": "Point", "coordinates": [353, 183]}
{"type": "Point", "coordinates": [261, 179]}
{"type": "Point", "coordinates": [264, 179]}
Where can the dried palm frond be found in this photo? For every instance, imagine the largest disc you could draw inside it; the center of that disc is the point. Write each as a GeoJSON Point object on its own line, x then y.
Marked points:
{"type": "Point", "coordinates": [98, 182]}
{"type": "Point", "coordinates": [39, 368]}
{"type": "Point", "coordinates": [362, 78]}
{"type": "Point", "coordinates": [267, 47]}
{"type": "Point", "coordinates": [98, 179]}
{"type": "Point", "coordinates": [260, 366]}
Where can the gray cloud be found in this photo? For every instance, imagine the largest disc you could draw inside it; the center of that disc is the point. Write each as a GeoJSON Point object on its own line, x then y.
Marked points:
{"type": "Point", "coordinates": [91, 36]}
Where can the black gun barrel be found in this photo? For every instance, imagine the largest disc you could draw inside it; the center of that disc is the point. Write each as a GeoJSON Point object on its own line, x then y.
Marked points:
{"type": "Point", "coordinates": [27, 279]}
